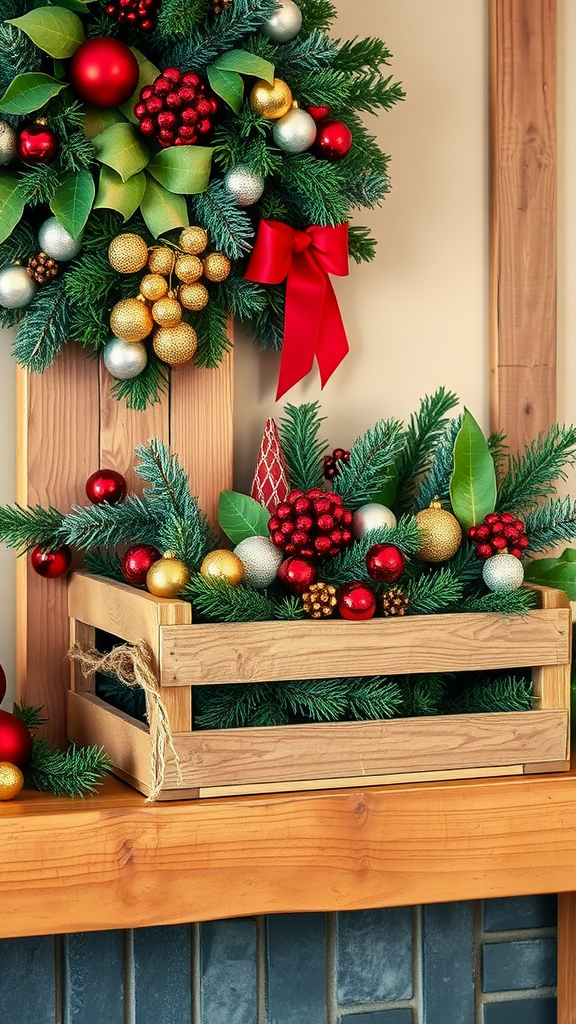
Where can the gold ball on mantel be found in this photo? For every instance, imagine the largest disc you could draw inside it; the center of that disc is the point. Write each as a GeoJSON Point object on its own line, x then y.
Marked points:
{"type": "Point", "coordinates": [175, 345]}
{"type": "Point", "coordinates": [223, 565]}
{"type": "Point", "coordinates": [128, 253]}
{"type": "Point", "coordinates": [11, 780]}
{"type": "Point", "coordinates": [131, 320]}
{"type": "Point", "coordinates": [271, 101]}
{"type": "Point", "coordinates": [188, 268]}
{"type": "Point", "coordinates": [167, 312]}
{"type": "Point", "coordinates": [161, 260]}
{"type": "Point", "coordinates": [168, 576]}
{"type": "Point", "coordinates": [441, 532]}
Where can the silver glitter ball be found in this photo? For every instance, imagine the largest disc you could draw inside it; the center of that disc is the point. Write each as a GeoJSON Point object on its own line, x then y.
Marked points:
{"type": "Point", "coordinates": [261, 561]}
{"type": "Point", "coordinates": [503, 573]}
{"type": "Point", "coordinates": [284, 24]}
{"type": "Point", "coordinates": [372, 516]}
{"type": "Point", "coordinates": [295, 132]}
{"type": "Point", "coordinates": [17, 288]}
{"type": "Point", "coordinates": [7, 143]}
{"type": "Point", "coordinates": [125, 359]}
{"type": "Point", "coordinates": [54, 240]}
{"type": "Point", "coordinates": [244, 184]}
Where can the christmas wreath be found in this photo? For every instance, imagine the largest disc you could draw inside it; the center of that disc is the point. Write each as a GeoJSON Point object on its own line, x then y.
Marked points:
{"type": "Point", "coordinates": [167, 163]}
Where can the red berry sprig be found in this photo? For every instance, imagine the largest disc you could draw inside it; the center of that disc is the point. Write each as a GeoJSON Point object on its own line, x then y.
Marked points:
{"type": "Point", "coordinates": [177, 109]}
{"type": "Point", "coordinates": [499, 532]}
{"type": "Point", "coordinates": [311, 524]}
{"type": "Point", "coordinates": [330, 464]}
{"type": "Point", "coordinates": [141, 14]}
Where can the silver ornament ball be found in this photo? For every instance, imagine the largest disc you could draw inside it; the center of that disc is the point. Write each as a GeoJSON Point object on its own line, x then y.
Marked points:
{"type": "Point", "coordinates": [55, 241]}
{"type": "Point", "coordinates": [503, 573]}
{"type": "Point", "coordinates": [372, 516]}
{"type": "Point", "coordinates": [17, 288]}
{"type": "Point", "coordinates": [284, 24]}
{"type": "Point", "coordinates": [7, 143]}
{"type": "Point", "coordinates": [295, 132]}
{"type": "Point", "coordinates": [125, 359]}
{"type": "Point", "coordinates": [244, 184]}
{"type": "Point", "coordinates": [261, 561]}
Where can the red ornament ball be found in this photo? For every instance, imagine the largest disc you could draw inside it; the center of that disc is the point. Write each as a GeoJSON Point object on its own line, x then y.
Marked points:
{"type": "Point", "coordinates": [2, 684]}
{"type": "Point", "coordinates": [318, 113]}
{"type": "Point", "coordinates": [106, 485]}
{"type": "Point", "coordinates": [311, 524]}
{"type": "Point", "coordinates": [50, 564]}
{"type": "Point", "coordinates": [333, 140]}
{"type": "Point", "coordinates": [178, 109]}
{"type": "Point", "coordinates": [15, 740]}
{"type": "Point", "coordinates": [385, 563]}
{"type": "Point", "coordinates": [104, 72]}
{"type": "Point", "coordinates": [137, 561]}
{"type": "Point", "coordinates": [141, 14]}
{"type": "Point", "coordinates": [500, 532]}
{"type": "Point", "coordinates": [296, 575]}
{"type": "Point", "coordinates": [356, 601]}
{"type": "Point", "coordinates": [37, 144]}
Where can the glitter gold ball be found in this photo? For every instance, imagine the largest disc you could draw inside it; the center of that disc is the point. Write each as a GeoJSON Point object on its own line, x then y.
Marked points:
{"type": "Point", "coordinates": [193, 239]}
{"type": "Point", "coordinates": [217, 266]}
{"type": "Point", "coordinates": [441, 532]}
{"type": "Point", "coordinates": [153, 287]}
{"type": "Point", "coordinates": [131, 319]}
{"type": "Point", "coordinates": [271, 101]}
{"type": "Point", "coordinates": [11, 780]}
{"type": "Point", "coordinates": [161, 260]}
{"type": "Point", "coordinates": [128, 253]}
{"type": "Point", "coordinates": [188, 268]}
{"type": "Point", "coordinates": [175, 345]}
{"type": "Point", "coordinates": [167, 312]}
{"type": "Point", "coordinates": [167, 577]}
{"type": "Point", "coordinates": [193, 296]}
{"type": "Point", "coordinates": [223, 565]}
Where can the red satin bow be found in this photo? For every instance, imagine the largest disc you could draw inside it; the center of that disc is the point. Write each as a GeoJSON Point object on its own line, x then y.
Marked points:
{"type": "Point", "coordinates": [312, 322]}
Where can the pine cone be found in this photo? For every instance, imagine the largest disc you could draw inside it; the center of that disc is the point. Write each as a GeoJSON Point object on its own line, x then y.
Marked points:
{"type": "Point", "coordinates": [219, 5]}
{"type": "Point", "coordinates": [394, 602]}
{"type": "Point", "coordinates": [320, 600]}
{"type": "Point", "coordinates": [42, 267]}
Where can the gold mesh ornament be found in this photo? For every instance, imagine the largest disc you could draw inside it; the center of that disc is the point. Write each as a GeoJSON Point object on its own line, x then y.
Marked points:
{"type": "Point", "coordinates": [188, 268]}
{"type": "Point", "coordinates": [161, 260]}
{"type": "Point", "coordinates": [11, 780]}
{"type": "Point", "coordinates": [217, 266]}
{"type": "Point", "coordinates": [394, 602]}
{"type": "Point", "coordinates": [128, 253]}
{"type": "Point", "coordinates": [441, 532]}
{"type": "Point", "coordinates": [175, 345]}
{"type": "Point", "coordinates": [167, 312]}
{"type": "Point", "coordinates": [193, 240]}
{"type": "Point", "coordinates": [153, 287]}
{"type": "Point", "coordinates": [168, 576]}
{"type": "Point", "coordinates": [131, 320]}
{"type": "Point", "coordinates": [193, 296]}
{"type": "Point", "coordinates": [271, 101]}
{"type": "Point", "coordinates": [320, 600]}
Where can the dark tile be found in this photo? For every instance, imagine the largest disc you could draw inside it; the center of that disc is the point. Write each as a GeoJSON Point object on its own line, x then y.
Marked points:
{"type": "Point", "coordinates": [162, 976]}
{"type": "Point", "coordinates": [448, 963]}
{"type": "Point", "coordinates": [513, 912]}
{"type": "Point", "coordinates": [296, 957]}
{"type": "Point", "coordinates": [374, 955]}
{"type": "Point", "coordinates": [521, 1011]}
{"type": "Point", "coordinates": [378, 1017]}
{"type": "Point", "coordinates": [228, 971]}
{"type": "Point", "coordinates": [529, 963]}
{"type": "Point", "coordinates": [27, 989]}
{"type": "Point", "coordinates": [93, 985]}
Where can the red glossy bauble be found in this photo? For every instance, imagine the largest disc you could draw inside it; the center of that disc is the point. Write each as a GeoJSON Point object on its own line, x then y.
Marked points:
{"type": "Point", "coordinates": [333, 140]}
{"type": "Point", "coordinates": [51, 564]}
{"type": "Point", "coordinates": [356, 601]}
{"type": "Point", "coordinates": [106, 485]}
{"type": "Point", "coordinates": [104, 72]}
{"type": "Point", "coordinates": [385, 563]}
{"type": "Point", "coordinates": [2, 684]}
{"type": "Point", "coordinates": [137, 561]}
{"type": "Point", "coordinates": [296, 574]}
{"type": "Point", "coordinates": [37, 144]}
{"type": "Point", "coordinates": [15, 740]}
{"type": "Point", "coordinates": [318, 113]}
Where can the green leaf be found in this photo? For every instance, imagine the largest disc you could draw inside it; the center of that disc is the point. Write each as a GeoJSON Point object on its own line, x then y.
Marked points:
{"type": "Point", "coordinates": [75, 5]}
{"type": "Point", "coordinates": [162, 210]}
{"type": "Point", "coordinates": [473, 480]}
{"type": "Point", "coordinates": [148, 74]}
{"type": "Point", "coordinates": [241, 516]}
{"type": "Point", "coordinates": [121, 147]}
{"type": "Point", "coordinates": [11, 205]}
{"type": "Point", "coordinates": [246, 64]}
{"type": "Point", "coordinates": [228, 85]}
{"type": "Point", "coordinates": [123, 196]}
{"type": "Point", "coordinates": [53, 29]}
{"type": "Point", "coordinates": [182, 169]}
{"type": "Point", "coordinates": [96, 121]}
{"type": "Point", "coordinates": [73, 200]}
{"type": "Point", "coordinates": [29, 92]}
{"type": "Point", "coordinates": [554, 572]}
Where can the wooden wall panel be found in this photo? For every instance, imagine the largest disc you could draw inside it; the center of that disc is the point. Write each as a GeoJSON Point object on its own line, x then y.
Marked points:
{"type": "Point", "coordinates": [122, 430]}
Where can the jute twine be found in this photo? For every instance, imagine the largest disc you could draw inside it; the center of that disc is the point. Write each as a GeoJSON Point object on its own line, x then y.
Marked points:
{"type": "Point", "coordinates": [132, 664]}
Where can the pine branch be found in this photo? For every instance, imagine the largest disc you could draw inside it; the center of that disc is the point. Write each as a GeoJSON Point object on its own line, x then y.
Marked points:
{"type": "Point", "coordinates": [19, 246]}
{"type": "Point", "coordinates": [267, 326]}
{"type": "Point", "coordinates": [422, 436]}
{"type": "Point", "coordinates": [37, 185]}
{"type": "Point", "coordinates": [317, 14]}
{"type": "Point", "coordinates": [437, 483]}
{"type": "Point", "coordinates": [243, 298]}
{"type": "Point", "coordinates": [432, 593]}
{"type": "Point", "coordinates": [103, 563]}
{"type": "Point", "coordinates": [550, 524]}
{"type": "Point", "coordinates": [31, 715]}
{"type": "Point", "coordinates": [230, 707]}
{"type": "Point", "coordinates": [19, 54]}
{"type": "Point", "coordinates": [44, 330]}
{"type": "Point", "coordinates": [211, 326]}
{"type": "Point", "coordinates": [531, 475]}
{"type": "Point", "coordinates": [516, 602]}
{"type": "Point", "coordinates": [319, 700]}
{"type": "Point", "coordinates": [350, 564]}
{"type": "Point", "coordinates": [189, 540]}
{"type": "Point", "coordinates": [24, 528]}
{"type": "Point", "coordinates": [228, 226]}
{"type": "Point", "coordinates": [357, 56]}
{"type": "Point", "coordinates": [202, 46]}
{"type": "Point", "coordinates": [220, 602]}
{"type": "Point", "coordinates": [131, 522]}
{"type": "Point", "coordinates": [177, 18]}
{"type": "Point", "coordinates": [371, 91]}
{"type": "Point", "coordinates": [498, 448]}
{"type": "Point", "coordinates": [302, 448]}
{"type": "Point", "coordinates": [361, 245]}
{"type": "Point", "coordinates": [374, 698]}
{"type": "Point", "coordinates": [371, 456]}
{"type": "Point", "coordinates": [490, 694]}
{"type": "Point", "coordinates": [147, 388]}
{"type": "Point", "coordinates": [424, 694]}
{"type": "Point", "coordinates": [303, 53]}
{"type": "Point", "coordinates": [73, 772]}
{"type": "Point", "coordinates": [465, 564]}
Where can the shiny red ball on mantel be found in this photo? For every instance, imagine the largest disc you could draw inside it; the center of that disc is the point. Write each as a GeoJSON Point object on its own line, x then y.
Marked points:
{"type": "Point", "coordinates": [296, 574]}
{"type": "Point", "coordinates": [15, 740]}
{"type": "Point", "coordinates": [37, 144]}
{"type": "Point", "coordinates": [106, 485]}
{"type": "Point", "coordinates": [104, 72]}
{"type": "Point", "coordinates": [385, 563]}
{"type": "Point", "coordinates": [333, 140]}
{"type": "Point", "coordinates": [136, 563]}
{"type": "Point", "coordinates": [51, 564]}
{"type": "Point", "coordinates": [356, 601]}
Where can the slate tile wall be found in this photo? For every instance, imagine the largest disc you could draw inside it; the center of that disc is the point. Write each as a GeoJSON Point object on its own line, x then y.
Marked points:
{"type": "Point", "coordinates": [463, 963]}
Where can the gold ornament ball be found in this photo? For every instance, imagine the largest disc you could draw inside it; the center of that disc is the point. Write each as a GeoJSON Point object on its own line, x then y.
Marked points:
{"type": "Point", "coordinates": [11, 780]}
{"type": "Point", "coordinates": [271, 101]}
{"type": "Point", "coordinates": [188, 268]}
{"type": "Point", "coordinates": [167, 312]}
{"type": "Point", "coordinates": [223, 565]}
{"type": "Point", "coordinates": [193, 240]}
{"type": "Point", "coordinates": [441, 531]}
{"type": "Point", "coordinates": [161, 260]}
{"type": "Point", "coordinates": [128, 253]}
{"type": "Point", "coordinates": [217, 266]}
{"type": "Point", "coordinates": [175, 345]}
{"type": "Point", "coordinates": [193, 296]}
{"type": "Point", "coordinates": [167, 577]}
{"type": "Point", "coordinates": [153, 287]}
{"type": "Point", "coordinates": [131, 320]}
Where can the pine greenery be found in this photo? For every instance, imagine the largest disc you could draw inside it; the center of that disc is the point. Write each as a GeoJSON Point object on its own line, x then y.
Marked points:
{"type": "Point", "coordinates": [219, 602]}
{"type": "Point", "coordinates": [24, 528]}
{"type": "Point", "coordinates": [44, 329]}
{"type": "Point", "coordinates": [302, 447]}
{"type": "Point", "coordinates": [420, 442]}
{"type": "Point", "coordinates": [531, 475]}
{"type": "Point", "coordinates": [371, 458]}
{"type": "Point", "coordinates": [72, 772]}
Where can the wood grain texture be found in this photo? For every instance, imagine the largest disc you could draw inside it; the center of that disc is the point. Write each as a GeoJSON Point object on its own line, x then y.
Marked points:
{"type": "Point", "coordinates": [122, 430]}
{"type": "Point", "coordinates": [567, 958]}
{"type": "Point", "coordinates": [523, 217]}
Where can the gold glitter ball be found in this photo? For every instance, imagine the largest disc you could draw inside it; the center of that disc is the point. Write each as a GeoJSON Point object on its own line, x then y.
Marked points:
{"type": "Point", "coordinates": [153, 287]}
{"type": "Point", "coordinates": [175, 345]}
{"type": "Point", "coordinates": [131, 320]}
{"type": "Point", "coordinates": [271, 101]}
{"type": "Point", "coordinates": [217, 266]}
{"type": "Point", "coordinates": [223, 565]}
{"type": "Point", "coordinates": [161, 260]}
{"type": "Point", "coordinates": [168, 576]}
{"type": "Point", "coordinates": [441, 533]}
{"type": "Point", "coordinates": [188, 268]}
{"type": "Point", "coordinates": [167, 312]}
{"type": "Point", "coordinates": [11, 780]}
{"type": "Point", "coordinates": [193, 240]}
{"type": "Point", "coordinates": [128, 253]}
{"type": "Point", "coordinates": [193, 296]}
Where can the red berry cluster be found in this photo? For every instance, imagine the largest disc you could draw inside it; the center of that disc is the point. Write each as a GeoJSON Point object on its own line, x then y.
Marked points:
{"type": "Point", "coordinates": [497, 533]}
{"type": "Point", "coordinates": [178, 109]}
{"type": "Point", "coordinates": [311, 524]}
{"type": "Point", "coordinates": [141, 14]}
{"type": "Point", "coordinates": [330, 465]}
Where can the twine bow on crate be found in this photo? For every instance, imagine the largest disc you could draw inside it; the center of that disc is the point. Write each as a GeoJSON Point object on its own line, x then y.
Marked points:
{"type": "Point", "coordinates": [132, 665]}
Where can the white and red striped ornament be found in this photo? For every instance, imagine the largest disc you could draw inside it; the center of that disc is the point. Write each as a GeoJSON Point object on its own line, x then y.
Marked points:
{"type": "Point", "coordinates": [270, 484]}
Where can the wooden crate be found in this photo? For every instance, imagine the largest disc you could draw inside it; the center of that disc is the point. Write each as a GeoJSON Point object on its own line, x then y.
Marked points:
{"type": "Point", "coordinates": [318, 755]}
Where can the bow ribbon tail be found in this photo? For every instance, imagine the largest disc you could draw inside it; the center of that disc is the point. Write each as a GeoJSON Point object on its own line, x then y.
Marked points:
{"type": "Point", "coordinates": [332, 346]}
{"type": "Point", "coordinates": [305, 294]}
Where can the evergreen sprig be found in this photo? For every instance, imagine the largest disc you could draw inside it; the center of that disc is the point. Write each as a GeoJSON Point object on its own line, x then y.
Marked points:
{"type": "Point", "coordinates": [132, 521]}
{"type": "Point", "coordinates": [147, 388]}
{"type": "Point", "coordinates": [531, 475]}
{"type": "Point", "coordinates": [31, 715]}
{"type": "Point", "coordinates": [550, 524]}
{"type": "Point", "coordinates": [371, 457]}
{"type": "Point", "coordinates": [422, 435]}
{"type": "Point", "coordinates": [436, 484]}
{"type": "Point", "coordinates": [228, 226]}
{"type": "Point", "coordinates": [424, 694]}
{"type": "Point", "coordinates": [72, 772]}
{"type": "Point", "coordinates": [219, 602]}
{"type": "Point", "coordinates": [20, 245]}
{"type": "Point", "coordinates": [44, 330]}
{"type": "Point", "coordinates": [350, 564]}
{"type": "Point", "coordinates": [515, 602]}
{"type": "Point", "coordinates": [100, 562]}
{"type": "Point", "coordinates": [434, 592]}
{"type": "Point", "coordinates": [303, 449]}
{"type": "Point", "coordinates": [24, 528]}
{"type": "Point", "coordinates": [490, 694]}
{"type": "Point", "coordinates": [374, 697]}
